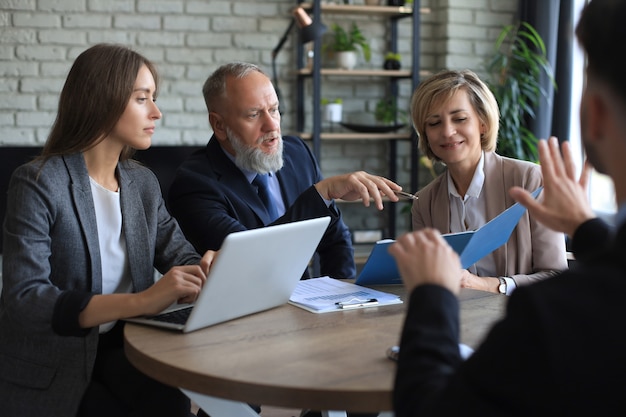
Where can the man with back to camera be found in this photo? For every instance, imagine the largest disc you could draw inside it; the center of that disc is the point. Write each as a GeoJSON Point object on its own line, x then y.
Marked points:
{"type": "Point", "coordinates": [564, 337]}
{"type": "Point", "coordinates": [214, 192]}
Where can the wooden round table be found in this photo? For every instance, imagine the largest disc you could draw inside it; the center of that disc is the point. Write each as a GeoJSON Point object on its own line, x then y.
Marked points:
{"type": "Point", "coordinates": [289, 357]}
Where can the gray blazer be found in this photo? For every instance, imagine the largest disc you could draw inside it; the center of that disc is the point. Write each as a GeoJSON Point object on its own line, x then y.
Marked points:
{"type": "Point", "coordinates": [533, 252]}
{"type": "Point", "coordinates": [52, 255]}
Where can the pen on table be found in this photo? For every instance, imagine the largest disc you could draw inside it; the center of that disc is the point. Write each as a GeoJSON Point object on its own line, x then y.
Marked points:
{"type": "Point", "coordinates": [405, 195]}
{"type": "Point", "coordinates": [361, 303]}
{"type": "Point", "coordinates": [392, 352]}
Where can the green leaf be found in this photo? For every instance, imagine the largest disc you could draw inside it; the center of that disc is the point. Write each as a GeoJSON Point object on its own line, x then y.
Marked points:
{"type": "Point", "coordinates": [353, 40]}
{"type": "Point", "coordinates": [515, 69]}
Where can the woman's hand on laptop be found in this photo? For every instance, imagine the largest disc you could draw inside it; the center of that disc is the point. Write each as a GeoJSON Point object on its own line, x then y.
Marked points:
{"type": "Point", "coordinates": [180, 284]}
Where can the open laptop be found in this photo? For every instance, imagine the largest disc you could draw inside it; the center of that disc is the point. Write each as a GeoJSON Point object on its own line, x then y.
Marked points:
{"type": "Point", "coordinates": [255, 270]}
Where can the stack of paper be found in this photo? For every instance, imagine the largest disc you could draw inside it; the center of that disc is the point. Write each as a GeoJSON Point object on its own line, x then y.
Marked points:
{"type": "Point", "coordinates": [325, 294]}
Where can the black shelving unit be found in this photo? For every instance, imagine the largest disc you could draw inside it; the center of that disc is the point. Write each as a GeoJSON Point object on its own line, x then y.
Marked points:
{"type": "Point", "coordinates": [315, 73]}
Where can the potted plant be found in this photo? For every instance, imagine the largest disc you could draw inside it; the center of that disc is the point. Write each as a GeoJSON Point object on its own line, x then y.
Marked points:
{"type": "Point", "coordinates": [392, 61]}
{"type": "Point", "coordinates": [332, 110]}
{"type": "Point", "coordinates": [386, 111]}
{"type": "Point", "coordinates": [515, 71]}
{"type": "Point", "coordinates": [346, 45]}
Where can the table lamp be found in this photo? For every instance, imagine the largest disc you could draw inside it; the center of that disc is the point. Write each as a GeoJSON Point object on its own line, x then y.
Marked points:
{"type": "Point", "coordinates": [308, 32]}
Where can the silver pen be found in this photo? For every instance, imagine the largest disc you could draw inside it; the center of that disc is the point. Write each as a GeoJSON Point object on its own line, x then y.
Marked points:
{"type": "Point", "coordinates": [405, 195]}
{"type": "Point", "coordinates": [346, 305]}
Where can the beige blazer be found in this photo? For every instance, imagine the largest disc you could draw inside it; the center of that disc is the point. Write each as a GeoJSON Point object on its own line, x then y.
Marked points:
{"type": "Point", "coordinates": [533, 251]}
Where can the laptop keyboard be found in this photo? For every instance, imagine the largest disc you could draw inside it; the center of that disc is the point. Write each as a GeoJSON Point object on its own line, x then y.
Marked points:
{"type": "Point", "coordinates": [175, 317]}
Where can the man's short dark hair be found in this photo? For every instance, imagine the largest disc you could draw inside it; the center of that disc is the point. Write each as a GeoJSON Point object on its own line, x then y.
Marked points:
{"type": "Point", "coordinates": [601, 31]}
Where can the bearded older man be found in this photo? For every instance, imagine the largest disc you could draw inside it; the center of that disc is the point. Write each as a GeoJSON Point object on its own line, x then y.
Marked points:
{"type": "Point", "coordinates": [215, 191]}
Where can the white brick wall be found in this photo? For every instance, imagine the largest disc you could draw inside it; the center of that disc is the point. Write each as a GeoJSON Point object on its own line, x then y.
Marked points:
{"type": "Point", "coordinates": [188, 39]}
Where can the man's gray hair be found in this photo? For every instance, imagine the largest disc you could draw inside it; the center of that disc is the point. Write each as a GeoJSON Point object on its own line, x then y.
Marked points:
{"type": "Point", "coordinates": [214, 87]}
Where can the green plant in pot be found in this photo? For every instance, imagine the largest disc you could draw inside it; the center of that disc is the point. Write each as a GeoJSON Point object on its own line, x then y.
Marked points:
{"type": "Point", "coordinates": [332, 109]}
{"type": "Point", "coordinates": [352, 41]}
{"type": "Point", "coordinates": [515, 72]}
{"type": "Point", "coordinates": [387, 112]}
{"type": "Point", "coordinates": [392, 61]}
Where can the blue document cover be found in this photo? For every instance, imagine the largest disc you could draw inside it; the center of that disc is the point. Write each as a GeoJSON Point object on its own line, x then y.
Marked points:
{"type": "Point", "coordinates": [381, 269]}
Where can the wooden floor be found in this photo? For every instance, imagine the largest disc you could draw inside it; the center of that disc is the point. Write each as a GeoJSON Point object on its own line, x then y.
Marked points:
{"type": "Point", "coordinates": [269, 411]}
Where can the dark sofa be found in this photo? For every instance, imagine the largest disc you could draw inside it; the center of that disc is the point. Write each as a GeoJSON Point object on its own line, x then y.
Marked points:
{"type": "Point", "coordinates": [163, 160]}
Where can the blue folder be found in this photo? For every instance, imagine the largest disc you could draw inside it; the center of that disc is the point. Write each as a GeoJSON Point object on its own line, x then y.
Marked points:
{"type": "Point", "coordinates": [381, 269]}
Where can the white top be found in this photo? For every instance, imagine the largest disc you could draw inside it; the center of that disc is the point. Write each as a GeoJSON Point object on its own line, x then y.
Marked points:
{"type": "Point", "coordinates": [115, 276]}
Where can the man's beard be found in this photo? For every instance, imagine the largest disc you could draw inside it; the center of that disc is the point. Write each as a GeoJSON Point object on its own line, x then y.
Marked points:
{"type": "Point", "coordinates": [254, 159]}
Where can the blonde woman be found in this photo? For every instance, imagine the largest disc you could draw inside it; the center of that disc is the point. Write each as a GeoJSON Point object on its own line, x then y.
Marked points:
{"type": "Point", "coordinates": [456, 118]}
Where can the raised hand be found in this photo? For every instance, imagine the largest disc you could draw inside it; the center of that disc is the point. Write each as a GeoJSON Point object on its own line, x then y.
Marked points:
{"type": "Point", "coordinates": [563, 205]}
{"type": "Point", "coordinates": [424, 257]}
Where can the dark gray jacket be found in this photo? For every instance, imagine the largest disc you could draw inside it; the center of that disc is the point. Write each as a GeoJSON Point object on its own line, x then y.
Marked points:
{"type": "Point", "coordinates": [51, 269]}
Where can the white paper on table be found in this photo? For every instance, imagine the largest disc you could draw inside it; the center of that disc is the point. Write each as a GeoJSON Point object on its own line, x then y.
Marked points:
{"type": "Point", "coordinates": [322, 295]}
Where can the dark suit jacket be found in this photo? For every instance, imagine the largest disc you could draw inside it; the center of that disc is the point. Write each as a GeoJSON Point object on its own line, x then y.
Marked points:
{"type": "Point", "coordinates": [559, 351]}
{"type": "Point", "coordinates": [210, 197]}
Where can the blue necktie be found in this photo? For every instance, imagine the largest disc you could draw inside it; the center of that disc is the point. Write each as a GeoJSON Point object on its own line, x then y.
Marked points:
{"type": "Point", "coordinates": [264, 192]}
